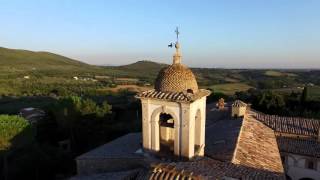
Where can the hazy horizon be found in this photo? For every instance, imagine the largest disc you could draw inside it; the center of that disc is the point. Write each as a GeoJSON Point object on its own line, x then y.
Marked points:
{"type": "Point", "coordinates": [220, 34]}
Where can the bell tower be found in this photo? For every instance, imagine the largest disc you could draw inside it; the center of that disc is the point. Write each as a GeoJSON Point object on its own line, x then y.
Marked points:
{"type": "Point", "coordinates": [174, 113]}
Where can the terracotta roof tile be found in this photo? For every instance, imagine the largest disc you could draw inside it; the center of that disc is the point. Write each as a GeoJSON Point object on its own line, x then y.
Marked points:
{"type": "Point", "coordinates": [206, 168]}
{"type": "Point", "coordinates": [176, 78]}
{"type": "Point", "coordinates": [257, 146]}
{"type": "Point", "coordinates": [238, 103]}
{"type": "Point", "coordinates": [173, 96]}
{"type": "Point", "coordinates": [290, 125]}
{"type": "Point", "coordinates": [302, 146]}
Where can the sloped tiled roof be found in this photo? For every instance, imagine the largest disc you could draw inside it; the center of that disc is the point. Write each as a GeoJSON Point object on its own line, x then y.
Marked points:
{"type": "Point", "coordinates": [307, 147]}
{"type": "Point", "coordinates": [291, 125]}
{"type": "Point", "coordinates": [173, 96]}
{"type": "Point", "coordinates": [246, 142]}
{"type": "Point", "coordinates": [257, 146]}
{"type": "Point", "coordinates": [207, 168]}
{"type": "Point", "coordinates": [238, 103]}
{"type": "Point", "coordinates": [294, 134]}
{"type": "Point", "coordinates": [169, 171]}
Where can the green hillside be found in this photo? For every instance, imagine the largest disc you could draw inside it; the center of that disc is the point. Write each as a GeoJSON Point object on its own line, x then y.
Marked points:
{"type": "Point", "coordinates": [39, 73]}
{"type": "Point", "coordinates": [143, 69]}
{"type": "Point", "coordinates": [23, 57]}
{"type": "Point", "coordinates": [143, 65]}
{"type": "Point", "coordinates": [21, 62]}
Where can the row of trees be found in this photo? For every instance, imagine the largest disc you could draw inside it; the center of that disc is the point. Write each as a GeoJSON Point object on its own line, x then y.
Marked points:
{"type": "Point", "coordinates": [58, 86]}
{"type": "Point", "coordinates": [47, 86]}
{"type": "Point", "coordinates": [272, 102]}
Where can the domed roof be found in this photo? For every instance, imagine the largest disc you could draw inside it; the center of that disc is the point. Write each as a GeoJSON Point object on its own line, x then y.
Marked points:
{"type": "Point", "coordinates": [176, 78]}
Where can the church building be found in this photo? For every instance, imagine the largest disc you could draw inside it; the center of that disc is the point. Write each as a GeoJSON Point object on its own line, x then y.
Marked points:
{"type": "Point", "coordinates": [183, 137]}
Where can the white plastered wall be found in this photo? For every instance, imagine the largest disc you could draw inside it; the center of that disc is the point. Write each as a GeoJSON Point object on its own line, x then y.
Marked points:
{"type": "Point", "coordinates": [151, 110]}
{"type": "Point", "coordinates": [295, 166]}
{"type": "Point", "coordinates": [238, 111]}
{"type": "Point", "coordinates": [185, 125]}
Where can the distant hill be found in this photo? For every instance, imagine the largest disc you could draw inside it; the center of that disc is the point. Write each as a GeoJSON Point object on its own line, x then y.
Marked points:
{"type": "Point", "coordinates": [19, 63]}
{"type": "Point", "coordinates": [14, 61]}
{"type": "Point", "coordinates": [143, 65]}
{"type": "Point", "coordinates": [146, 70]}
{"type": "Point", "coordinates": [25, 57]}
{"type": "Point", "coordinates": [264, 78]}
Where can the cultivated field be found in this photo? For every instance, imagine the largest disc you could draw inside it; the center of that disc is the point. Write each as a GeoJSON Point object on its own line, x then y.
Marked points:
{"type": "Point", "coordinates": [230, 88]}
{"type": "Point", "coordinates": [132, 88]}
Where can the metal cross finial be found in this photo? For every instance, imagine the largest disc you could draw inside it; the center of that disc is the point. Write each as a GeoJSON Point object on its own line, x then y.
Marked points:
{"type": "Point", "coordinates": [177, 32]}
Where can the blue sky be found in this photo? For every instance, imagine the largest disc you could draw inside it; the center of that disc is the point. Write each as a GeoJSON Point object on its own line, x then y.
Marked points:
{"type": "Point", "coordinates": [225, 33]}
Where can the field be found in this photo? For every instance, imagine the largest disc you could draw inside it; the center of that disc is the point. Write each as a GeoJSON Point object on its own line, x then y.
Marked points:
{"type": "Point", "coordinates": [230, 88]}
{"type": "Point", "coordinates": [132, 88]}
{"type": "Point", "coordinates": [274, 73]}
{"type": "Point", "coordinates": [314, 92]}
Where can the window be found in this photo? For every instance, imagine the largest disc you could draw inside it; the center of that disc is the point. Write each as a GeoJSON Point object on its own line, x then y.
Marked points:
{"type": "Point", "coordinates": [310, 164]}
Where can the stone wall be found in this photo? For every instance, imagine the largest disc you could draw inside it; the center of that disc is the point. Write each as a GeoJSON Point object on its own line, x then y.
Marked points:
{"type": "Point", "coordinates": [238, 111]}
{"type": "Point", "coordinates": [296, 167]}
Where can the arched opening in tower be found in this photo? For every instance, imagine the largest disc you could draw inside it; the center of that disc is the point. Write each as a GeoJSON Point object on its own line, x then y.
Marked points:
{"type": "Point", "coordinates": [166, 123]}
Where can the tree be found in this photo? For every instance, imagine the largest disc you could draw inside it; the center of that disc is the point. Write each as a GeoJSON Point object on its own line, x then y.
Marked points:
{"type": "Point", "coordinates": [81, 118]}
{"type": "Point", "coordinates": [15, 133]}
{"type": "Point", "coordinates": [304, 95]}
{"type": "Point", "coordinates": [270, 102]}
{"type": "Point", "coordinates": [105, 109]}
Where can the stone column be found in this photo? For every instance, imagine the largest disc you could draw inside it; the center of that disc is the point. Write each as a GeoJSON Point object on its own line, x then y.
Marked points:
{"type": "Point", "coordinates": [155, 139]}
{"type": "Point", "coordinates": [187, 132]}
{"type": "Point", "coordinates": [202, 125]}
{"type": "Point", "coordinates": [177, 124]}
{"type": "Point", "coordinates": [146, 125]}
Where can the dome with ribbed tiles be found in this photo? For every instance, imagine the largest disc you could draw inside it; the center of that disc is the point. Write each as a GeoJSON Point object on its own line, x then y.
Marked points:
{"type": "Point", "coordinates": [176, 78]}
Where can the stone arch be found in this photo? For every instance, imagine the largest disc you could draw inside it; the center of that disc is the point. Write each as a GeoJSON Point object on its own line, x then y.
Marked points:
{"type": "Point", "coordinates": [166, 133]}
{"type": "Point", "coordinates": [289, 155]}
{"type": "Point", "coordinates": [295, 161]}
{"type": "Point", "coordinates": [155, 126]}
{"type": "Point", "coordinates": [162, 109]}
{"type": "Point", "coordinates": [301, 158]}
{"type": "Point", "coordinates": [197, 132]}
